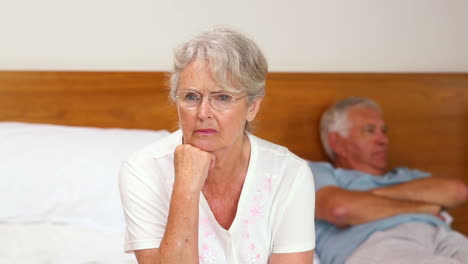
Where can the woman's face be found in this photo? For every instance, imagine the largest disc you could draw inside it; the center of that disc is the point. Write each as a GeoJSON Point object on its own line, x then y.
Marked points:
{"type": "Point", "coordinates": [205, 127]}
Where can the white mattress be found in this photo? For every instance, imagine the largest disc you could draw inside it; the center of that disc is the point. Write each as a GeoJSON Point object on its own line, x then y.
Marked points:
{"type": "Point", "coordinates": [60, 244]}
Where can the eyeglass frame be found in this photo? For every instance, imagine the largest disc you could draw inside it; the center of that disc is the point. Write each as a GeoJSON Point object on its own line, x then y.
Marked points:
{"type": "Point", "coordinates": [209, 98]}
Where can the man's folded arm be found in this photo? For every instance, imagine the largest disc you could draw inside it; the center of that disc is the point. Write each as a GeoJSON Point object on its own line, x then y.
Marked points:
{"type": "Point", "coordinates": [346, 208]}
{"type": "Point", "coordinates": [444, 191]}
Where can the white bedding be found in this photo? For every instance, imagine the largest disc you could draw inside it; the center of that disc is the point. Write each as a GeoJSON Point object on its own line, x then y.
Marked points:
{"type": "Point", "coordinates": [59, 201]}
{"type": "Point", "coordinates": [60, 244]}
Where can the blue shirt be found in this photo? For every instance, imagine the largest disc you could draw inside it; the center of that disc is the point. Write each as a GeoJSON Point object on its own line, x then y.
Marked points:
{"type": "Point", "coordinates": [333, 244]}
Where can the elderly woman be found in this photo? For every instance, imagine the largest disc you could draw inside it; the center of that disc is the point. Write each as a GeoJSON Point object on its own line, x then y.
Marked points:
{"type": "Point", "coordinates": [212, 192]}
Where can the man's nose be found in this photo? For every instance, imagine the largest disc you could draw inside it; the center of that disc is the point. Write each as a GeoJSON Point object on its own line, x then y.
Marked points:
{"type": "Point", "coordinates": [382, 138]}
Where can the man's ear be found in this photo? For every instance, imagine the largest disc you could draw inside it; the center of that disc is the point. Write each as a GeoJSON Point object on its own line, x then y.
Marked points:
{"type": "Point", "coordinates": [336, 143]}
{"type": "Point", "coordinates": [253, 108]}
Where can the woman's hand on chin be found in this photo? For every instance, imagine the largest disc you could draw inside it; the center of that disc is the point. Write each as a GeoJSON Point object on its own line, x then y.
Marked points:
{"type": "Point", "coordinates": [191, 167]}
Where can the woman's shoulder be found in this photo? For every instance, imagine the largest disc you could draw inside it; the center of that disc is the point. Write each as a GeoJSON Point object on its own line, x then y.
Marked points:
{"type": "Point", "coordinates": [274, 154]}
{"type": "Point", "coordinates": [158, 149]}
{"type": "Point", "coordinates": [270, 147]}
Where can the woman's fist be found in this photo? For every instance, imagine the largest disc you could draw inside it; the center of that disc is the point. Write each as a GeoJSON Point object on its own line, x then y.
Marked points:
{"type": "Point", "coordinates": [191, 167]}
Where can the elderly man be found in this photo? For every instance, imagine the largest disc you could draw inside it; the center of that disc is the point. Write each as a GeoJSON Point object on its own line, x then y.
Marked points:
{"type": "Point", "coordinates": [368, 214]}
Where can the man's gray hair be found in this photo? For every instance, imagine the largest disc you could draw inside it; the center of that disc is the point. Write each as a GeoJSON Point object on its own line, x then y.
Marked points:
{"type": "Point", "coordinates": [236, 62]}
{"type": "Point", "coordinates": [335, 119]}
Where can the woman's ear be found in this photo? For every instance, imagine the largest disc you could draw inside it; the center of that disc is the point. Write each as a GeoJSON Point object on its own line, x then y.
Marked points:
{"type": "Point", "coordinates": [253, 108]}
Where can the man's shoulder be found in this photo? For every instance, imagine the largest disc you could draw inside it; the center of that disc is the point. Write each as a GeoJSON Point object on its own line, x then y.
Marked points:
{"type": "Point", "coordinates": [408, 173]}
{"type": "Point", "coordinates": [403, 169]}
{"type": "Point", "coordinates": [321, 167]}
{"type": "Point", "coordinates": [323, 173]}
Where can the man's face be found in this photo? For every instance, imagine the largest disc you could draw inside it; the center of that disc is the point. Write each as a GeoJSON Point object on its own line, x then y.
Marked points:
{"type": "Point", "coordinates": [365, 147]}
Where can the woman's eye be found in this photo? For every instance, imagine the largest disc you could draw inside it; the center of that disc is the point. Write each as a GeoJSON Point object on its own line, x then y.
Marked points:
{"type": "Point", "coordinates": [192, 97]}
{"type": "Point", "coordinates": [223, 97]}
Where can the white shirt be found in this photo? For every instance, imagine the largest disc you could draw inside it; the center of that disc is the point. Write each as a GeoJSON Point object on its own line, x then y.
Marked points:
{"type": "Point", "coordinates": [275, 213]}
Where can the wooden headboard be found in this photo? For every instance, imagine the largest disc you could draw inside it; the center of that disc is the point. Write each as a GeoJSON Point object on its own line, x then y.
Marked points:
{"type": "Point", "coordinates": [427, 114]}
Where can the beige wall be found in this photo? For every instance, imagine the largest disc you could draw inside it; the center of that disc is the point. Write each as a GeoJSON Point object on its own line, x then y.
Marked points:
{"type": "Point", "coordinates": [300, 35]}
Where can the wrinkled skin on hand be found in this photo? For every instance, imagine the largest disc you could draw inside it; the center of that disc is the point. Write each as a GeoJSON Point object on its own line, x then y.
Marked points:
{"type": "Point", "coordinates": [191, 167]}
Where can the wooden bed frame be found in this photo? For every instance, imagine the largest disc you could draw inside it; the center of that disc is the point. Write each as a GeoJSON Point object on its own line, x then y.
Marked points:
{"type": "Point", "coordinates": [427, 113]}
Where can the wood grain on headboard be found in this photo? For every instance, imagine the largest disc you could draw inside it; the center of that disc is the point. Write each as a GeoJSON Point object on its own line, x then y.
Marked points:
{"type": "Point", "coordinates": [102, 99]}
{"type": "Point", "coordinates": [427, 114]}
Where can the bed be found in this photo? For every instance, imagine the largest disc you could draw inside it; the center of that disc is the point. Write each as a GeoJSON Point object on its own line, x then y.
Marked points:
{"type": "Point", "coordinates": [64, 135]}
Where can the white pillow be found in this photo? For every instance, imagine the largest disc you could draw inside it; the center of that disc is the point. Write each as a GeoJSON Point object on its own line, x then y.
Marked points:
{"type": "Point", "coordinates": [64, 174]}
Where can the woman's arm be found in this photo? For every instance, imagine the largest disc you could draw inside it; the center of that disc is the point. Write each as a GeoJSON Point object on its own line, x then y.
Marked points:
{"type": "Point", "coordinates": [294, 238]}
{"type": "Point", "coordinates": [306, 257]}
{"type": "Point", "coordinates": [180, 241]}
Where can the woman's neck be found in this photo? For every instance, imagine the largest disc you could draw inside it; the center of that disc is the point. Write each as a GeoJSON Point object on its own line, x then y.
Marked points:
{"type": "Point", "coordinates": [231, 164]}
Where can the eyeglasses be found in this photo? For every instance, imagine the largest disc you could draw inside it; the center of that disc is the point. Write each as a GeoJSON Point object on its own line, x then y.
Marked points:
{"type": "Point", "coordinates": [220, 101]}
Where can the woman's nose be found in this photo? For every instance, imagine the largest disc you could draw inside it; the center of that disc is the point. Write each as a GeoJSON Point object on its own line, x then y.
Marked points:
{"type": "Point", "coordinates": [205, 110]}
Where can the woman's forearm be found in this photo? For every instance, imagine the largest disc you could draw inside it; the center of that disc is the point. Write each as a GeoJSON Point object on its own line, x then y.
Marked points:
{"type": "Point", "coordinates": [180, 240]}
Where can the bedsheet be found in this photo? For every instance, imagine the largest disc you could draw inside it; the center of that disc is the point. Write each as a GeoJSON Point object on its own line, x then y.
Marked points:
{"type": "Point", "coordinates": [60, 244]}
{"type": "Point", "coordinates": [47, 243]}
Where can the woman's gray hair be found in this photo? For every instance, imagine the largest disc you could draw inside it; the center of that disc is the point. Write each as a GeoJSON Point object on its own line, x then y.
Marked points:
{"type": "Point", "coordinates": [236, 62]}
{"type": "Point", "coordinates": [335, 119]}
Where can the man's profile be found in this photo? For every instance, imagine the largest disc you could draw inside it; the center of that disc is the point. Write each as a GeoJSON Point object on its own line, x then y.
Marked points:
{"type": "Point", "coordinates": [366, 213]}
